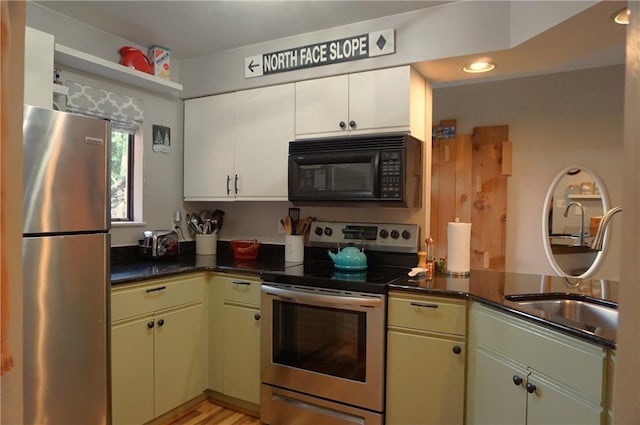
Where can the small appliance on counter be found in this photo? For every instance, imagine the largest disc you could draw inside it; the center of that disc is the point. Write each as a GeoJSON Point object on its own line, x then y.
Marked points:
{"type": "Point", "coordinates": [159, 244]}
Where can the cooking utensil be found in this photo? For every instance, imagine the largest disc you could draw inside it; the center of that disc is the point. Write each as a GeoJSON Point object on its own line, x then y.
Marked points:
{"type": "Point", "coordinates": [205, 215]}
{"type": "Point", "coordinates": [303, 225]}
{"type": "Point", "coordinates": [193, 227]}
{"type": "Point", "coordinates": [294, 213]}
{"type": "Point", "coordinates": [288, 226]}
{"type": "Point", "coordinates": [217, 215]}
{"type": "Point", "coordinates": [205, 228]}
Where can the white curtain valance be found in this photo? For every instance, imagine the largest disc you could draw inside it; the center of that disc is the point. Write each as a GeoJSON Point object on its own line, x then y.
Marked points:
{"type": "Point", "coordinates": [125, 111]}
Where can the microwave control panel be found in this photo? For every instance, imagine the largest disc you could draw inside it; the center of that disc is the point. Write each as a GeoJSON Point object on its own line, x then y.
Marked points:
{"type": "Point", "coordinates": [391, 175]}
{"type": "Point", "coordinates": [377, 236]}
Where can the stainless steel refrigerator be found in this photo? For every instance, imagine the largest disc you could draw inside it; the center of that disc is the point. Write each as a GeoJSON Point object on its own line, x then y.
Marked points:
{"type": "Point", "coordinates": [65, 255]}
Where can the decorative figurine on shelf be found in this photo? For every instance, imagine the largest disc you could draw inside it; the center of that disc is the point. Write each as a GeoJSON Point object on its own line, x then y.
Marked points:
{"type": "Point", "coordinates": [134, 58]}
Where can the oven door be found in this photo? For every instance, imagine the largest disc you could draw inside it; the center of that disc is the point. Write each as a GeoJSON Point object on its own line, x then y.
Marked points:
{"type": "Point", "coordinates": [326, 343]}
{"type": "Point", "coordinates": [334, 176]}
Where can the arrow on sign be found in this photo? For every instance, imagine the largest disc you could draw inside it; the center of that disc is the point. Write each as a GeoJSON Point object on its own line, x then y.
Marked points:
{"type": "Point", "coordinates": [253, 65]}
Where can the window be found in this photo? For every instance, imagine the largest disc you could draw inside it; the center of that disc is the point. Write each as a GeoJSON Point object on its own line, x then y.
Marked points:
{"type": "Point", "coordinates": [122, 152]}
{"type": "Point", "coordinates": [126, 115]}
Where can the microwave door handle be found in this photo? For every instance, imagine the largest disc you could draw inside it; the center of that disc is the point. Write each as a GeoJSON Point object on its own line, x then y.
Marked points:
{"type": "Point", "coordinates": [305, 298]}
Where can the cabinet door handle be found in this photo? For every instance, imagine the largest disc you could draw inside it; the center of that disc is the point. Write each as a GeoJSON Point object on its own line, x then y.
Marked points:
{"type": "Point", "coordinates": [256, 316]}
{"type": "Point", "coordinates": [150, 325]}
{"type": "Point", "coordinates": [531, 388]}
{"type": "Point", "coordinates": [352, 124]}
{"type": "Point", "coordinates": [241, 282]}
{"type": "Point", "coordinates": [342, 124]}
{"type": "Point", "coordinates": [159, 288]}
{"type": "Point", "coordinates": [235, 184]}
{"type": "Point", "coordinates": [517, 380]}
{"type": "Point", "coordinates": [415, 304]}
{"type": "Point", "coordinates": [228, 181]}
{"type": "Point", "coordinates": [457, 349]}
{"type": "Point", "coordinates": [161, 322]}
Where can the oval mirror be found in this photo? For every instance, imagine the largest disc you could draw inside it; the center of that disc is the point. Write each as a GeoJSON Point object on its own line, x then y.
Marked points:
{"type": "Point", "coordinates": [575, 202]}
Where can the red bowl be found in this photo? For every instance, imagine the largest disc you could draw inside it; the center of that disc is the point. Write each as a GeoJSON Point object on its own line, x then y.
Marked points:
{"type": "Point", "coordinates": [245, 250]}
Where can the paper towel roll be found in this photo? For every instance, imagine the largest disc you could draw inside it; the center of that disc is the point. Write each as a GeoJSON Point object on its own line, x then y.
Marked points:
{"type": "Point", "coordinates": [458, 247]}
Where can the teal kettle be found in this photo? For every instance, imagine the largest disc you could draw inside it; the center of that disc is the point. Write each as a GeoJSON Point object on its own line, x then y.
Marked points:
{"type": "Point", "coordinates": [349, 258]}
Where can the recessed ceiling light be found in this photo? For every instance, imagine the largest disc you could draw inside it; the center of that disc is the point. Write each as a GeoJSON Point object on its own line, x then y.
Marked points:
{"type": "Point", "coordinates": [622, 16]}
{"type": "Point", "coordinates": [478, 67]}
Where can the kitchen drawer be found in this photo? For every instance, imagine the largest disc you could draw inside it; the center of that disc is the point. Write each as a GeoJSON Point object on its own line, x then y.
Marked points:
{"type": "Point", "coordinates": [155, 295]}
{"type": "Point", "coordinates": [433, 314]}
{"type": "Point", "coordinates": [574, 362]}
{"type": "Point", "coordinates": [242, 289]}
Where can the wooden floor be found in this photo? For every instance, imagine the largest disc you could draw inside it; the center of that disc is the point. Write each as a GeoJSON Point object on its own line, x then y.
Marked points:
{"type": "Point", "coordinates": [209, 413]}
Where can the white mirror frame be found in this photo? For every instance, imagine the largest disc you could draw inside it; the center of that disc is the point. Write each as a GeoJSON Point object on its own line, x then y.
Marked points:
{"type": "Point", "coordinates": [545, 223]}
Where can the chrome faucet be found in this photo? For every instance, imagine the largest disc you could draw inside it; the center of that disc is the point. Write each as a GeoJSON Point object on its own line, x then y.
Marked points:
{"type": "Point", "coordinates": [578, 205]}
{"type": "Point", "coordinates": [598, 239]}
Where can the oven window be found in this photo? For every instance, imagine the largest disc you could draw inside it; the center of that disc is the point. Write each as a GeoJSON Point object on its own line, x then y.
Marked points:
{"type": "Point", "coordinates": [320, 339]}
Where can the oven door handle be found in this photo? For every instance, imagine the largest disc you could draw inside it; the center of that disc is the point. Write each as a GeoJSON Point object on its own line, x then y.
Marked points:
{"type": "Point", "coordinates": [302, 297]}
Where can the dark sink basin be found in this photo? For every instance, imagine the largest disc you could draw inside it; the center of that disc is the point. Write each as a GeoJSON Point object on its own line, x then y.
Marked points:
{"type": "Point", "coordinates": [585, 311]}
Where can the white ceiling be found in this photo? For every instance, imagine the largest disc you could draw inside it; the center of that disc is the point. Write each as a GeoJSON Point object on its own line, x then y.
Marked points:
{"type": "Point", "coordinates": [195, 28]}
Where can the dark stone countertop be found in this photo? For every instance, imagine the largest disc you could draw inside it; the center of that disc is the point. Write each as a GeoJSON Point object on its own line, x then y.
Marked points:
{"type": "Point", "coordinates": [488, 287]}
{"type": "Point", "coordinates": [127, 268]}
{"type": "Point", "coordinates": [491, 287]}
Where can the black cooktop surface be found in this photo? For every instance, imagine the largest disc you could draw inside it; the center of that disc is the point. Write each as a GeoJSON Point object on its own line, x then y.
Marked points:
{"type": "Point", "coordinates": [324, 274]}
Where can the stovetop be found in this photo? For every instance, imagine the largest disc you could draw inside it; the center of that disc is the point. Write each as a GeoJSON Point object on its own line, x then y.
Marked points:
{"type": "Point", "coordinates": [390, 250]}
{"type": "Point", "coordinates": [373, 280]}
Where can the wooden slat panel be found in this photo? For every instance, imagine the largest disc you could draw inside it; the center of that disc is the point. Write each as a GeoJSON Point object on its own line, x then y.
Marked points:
{"type": "Point", "coordinates": [463, 178]}
{"type": "Point", "coordinates": [469, 181]}
{"type": "Point", "coordinates": [443, 191]}
{"type": "Point", "coordinates": [488, 215]}
{"type": "Point", "coordinates": [506, 158]}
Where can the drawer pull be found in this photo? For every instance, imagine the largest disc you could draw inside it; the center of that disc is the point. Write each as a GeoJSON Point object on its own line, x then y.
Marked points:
{"type": "Point", "coordinates": [424, 305]}
{"type": "Point", "coordinates": [159, 288]}
{"type": "Point", "coordinates": [241, 282]}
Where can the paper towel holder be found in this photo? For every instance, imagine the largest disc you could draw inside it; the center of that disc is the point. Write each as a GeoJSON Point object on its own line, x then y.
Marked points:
{"type": "Point", "coordinates": [465, 272]}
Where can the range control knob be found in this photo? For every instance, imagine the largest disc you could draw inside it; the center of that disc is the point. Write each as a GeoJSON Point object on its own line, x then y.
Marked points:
{"type": "Point", "coordinates": [406, 234]}
{"type": "Point", "coordinates": [328, 231]}
{"type": "Point", "coordinates": [384, 233]}
{"type": "Point", "coordinates": [318, 231]}
{"type": "Point", "coordinates": [395, 234]}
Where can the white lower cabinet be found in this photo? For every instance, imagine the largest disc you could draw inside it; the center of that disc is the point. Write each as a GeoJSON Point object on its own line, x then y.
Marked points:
{"type": "Point", "coordinates": [158, 347]}
{"type": "Point", "coordinates": [234, 337]}
{"type": "Point", "coordinates": [425, 360]}
{"type": "Point", "coordinates": [522, 373]}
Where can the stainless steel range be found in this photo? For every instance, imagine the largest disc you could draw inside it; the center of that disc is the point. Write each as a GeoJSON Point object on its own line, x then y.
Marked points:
{"type": "Point", "coordinates": [323, 333]}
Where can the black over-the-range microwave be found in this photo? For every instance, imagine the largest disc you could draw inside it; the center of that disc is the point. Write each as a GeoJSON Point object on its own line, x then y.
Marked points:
{"type": "Point", "coordinates": [381, 170]}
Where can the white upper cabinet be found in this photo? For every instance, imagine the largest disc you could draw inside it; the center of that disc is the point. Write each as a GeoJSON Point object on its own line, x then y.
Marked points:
{"type": "Point", "coordinates": [209, 143]}
{"type": "Point", "coordinates": [384, 100]}
{"type": "Point", "coordinates": [236, 145]}
{"type": "Point", "coordinates": [38, 68]}
{"type": "Point", "coordinates": [264, 127]}
{"type": "Point", "coordinates": [322, 106]}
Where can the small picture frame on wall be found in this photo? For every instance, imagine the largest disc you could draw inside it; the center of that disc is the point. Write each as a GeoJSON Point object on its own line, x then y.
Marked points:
{"type": "Point", "coordinates": [161, 138]}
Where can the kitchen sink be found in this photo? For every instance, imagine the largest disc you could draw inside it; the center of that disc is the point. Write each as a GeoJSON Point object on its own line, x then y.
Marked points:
{"type": "Point", "coordinates": [585, 311]}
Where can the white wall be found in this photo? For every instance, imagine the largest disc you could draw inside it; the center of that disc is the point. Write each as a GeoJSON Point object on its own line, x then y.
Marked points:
{"type": "Point", "coordinates": [557, 120]}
